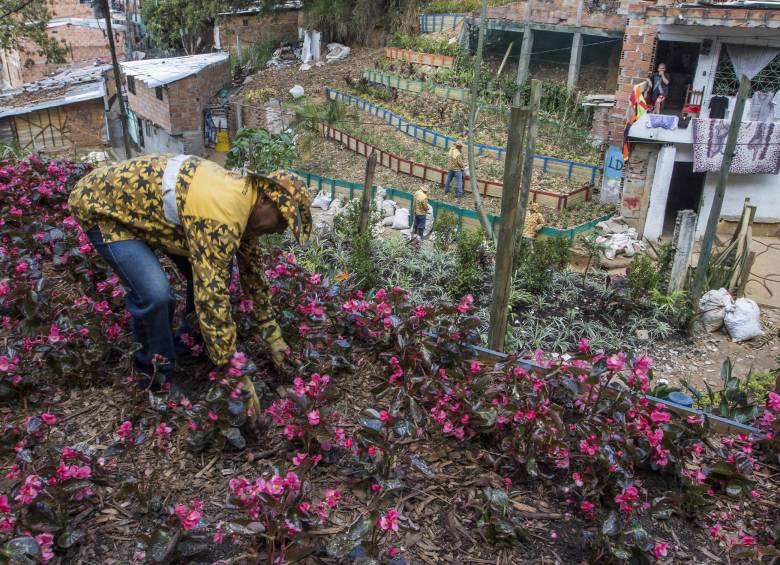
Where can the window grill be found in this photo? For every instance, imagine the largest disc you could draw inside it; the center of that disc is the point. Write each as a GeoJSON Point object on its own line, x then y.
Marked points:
{"type": "Point", "coordinates": [727, 83]}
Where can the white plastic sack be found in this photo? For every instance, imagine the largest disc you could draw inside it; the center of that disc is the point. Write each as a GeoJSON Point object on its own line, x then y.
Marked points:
{"type": "Point", "coordinates": [337, 203]}
{"type": "Point", "coordinates": [401, 219]}
{"type": "Point", "coordinates": [388, 221]}
{"type": "Point", "coordinates": [322, 200]}
{"type": "Point", "coordinates": [297, 91]}
{"type": "Point", "coordinates": [337, 51]}
{"type": "Point", "coordinates": [712, 307]}
{"type": "Point", "coordinates": [743, 320]}
{"type": "Point", "coordinates": [428, 222]}
{"type": "Point", "coordinates": [388, 208]}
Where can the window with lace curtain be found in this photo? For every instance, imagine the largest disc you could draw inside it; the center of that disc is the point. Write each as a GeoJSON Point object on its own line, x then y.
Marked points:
{"type": "Point", "coordinates": [727, 83]}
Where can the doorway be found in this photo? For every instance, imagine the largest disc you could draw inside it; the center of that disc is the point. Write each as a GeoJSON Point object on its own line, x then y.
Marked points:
{"type": "Point", "coordinates": [685, 190]}
{"type": "Point", "coordinates": [681, 58]}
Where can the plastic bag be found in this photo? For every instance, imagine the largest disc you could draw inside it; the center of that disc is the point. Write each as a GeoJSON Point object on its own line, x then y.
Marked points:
{"type": "Point", "coordinates": [401, 219]}
{"type": "Point", "coordinates": [297, 91]}
{"type": "Point", "coordinates": [336, 203]}
{"type": "Point", "coordinates": [743, 320]}
{"type": "Point", "coordinates": [712, 307]}
{"type": "Point", "coordinates": [388, 208]}
{"type": "Point", "coordinates": [388, 221]}
{"type": "Point", "coordinates": [322, 200]}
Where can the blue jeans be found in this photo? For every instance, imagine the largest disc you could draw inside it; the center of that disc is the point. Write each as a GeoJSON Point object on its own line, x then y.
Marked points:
{"type": "Point", "coordinates": [458, 175]}
{"type": "Point", "coordinates": [149, 299]}
{"type": "Point", "coordinates": [419, 225]}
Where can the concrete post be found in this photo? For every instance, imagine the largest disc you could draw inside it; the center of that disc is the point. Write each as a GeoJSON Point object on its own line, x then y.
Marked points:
{"type": "Point", "coordinates": [574, 61]}
{"type": "Point", "coordinates": [525, 56]}
{"type": "Point", "coordinates": [576, 49]}
{"type": "Point", "coordinates": [682, 244]}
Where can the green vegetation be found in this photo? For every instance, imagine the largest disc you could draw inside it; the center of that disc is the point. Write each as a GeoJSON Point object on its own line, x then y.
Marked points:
{"type": "Point", "coordinates": [425, 44]}
{"type": "Point", "coordinates": [252, 58]}
{"type": "Point", "coordinates": [261, 151]}
{"type": "Point", "coordinates": [460, 6]}
{"type": "Point", "coordinates": [24, 28]}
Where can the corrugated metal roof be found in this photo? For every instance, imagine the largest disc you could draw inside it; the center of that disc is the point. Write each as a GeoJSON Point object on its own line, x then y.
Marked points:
{"type": "Point", "coordinates": [94, 23]}
{"type": "Point", "coordinates": [157, 72]}
{"type": "Point", "coordinates": [72, 95]}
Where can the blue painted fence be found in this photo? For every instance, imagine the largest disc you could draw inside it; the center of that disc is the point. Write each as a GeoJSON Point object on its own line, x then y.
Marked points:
{"type": "Point", "coordinates": [434, 23]}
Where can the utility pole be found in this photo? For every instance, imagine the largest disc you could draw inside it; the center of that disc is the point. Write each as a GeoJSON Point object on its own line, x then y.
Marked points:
{"type": "Point", "coordinates": [720, 189]}
{"type": "Point", "coordinates": [530, 150]}
{"type": "Point", "coordinates": [472, 123]}
{"type": "Point", "coordinates": [117, 77]}
{"type": "Point", "coordinates": [513, 172]}
{"type": "Point", "coordinates": [365, 202]}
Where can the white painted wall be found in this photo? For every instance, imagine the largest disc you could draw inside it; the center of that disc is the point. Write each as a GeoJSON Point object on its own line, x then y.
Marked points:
{"type": "Point", "coordinates": [656, 210]}
{"type": "Point", "coordinates": [763, 191]}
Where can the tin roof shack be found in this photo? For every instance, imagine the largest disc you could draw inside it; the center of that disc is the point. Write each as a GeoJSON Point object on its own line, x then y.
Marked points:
{"type": "Point", "coordinates": [249, 26]}
{"type": "Point", "coordinates": [167, 99]}
{"type": "Point", "coordinates": [705, 48]}
{"type": "Point", "coordinates": [68, 112]}
{"type": "Point", "coordinates": [85, 41]}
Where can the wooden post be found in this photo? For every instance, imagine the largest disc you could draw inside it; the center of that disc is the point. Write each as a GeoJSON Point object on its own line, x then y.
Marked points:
{"type": "Point", "coordinates": [720, 189]}
{"type": "Point", "coordinates": [513, 173]}
{"type": "Point", "coordinates": [365, 202]}
{"type": "Point", "coordinates": [117, 79]}
{"type": "Point", "coordinates": [530, 147]}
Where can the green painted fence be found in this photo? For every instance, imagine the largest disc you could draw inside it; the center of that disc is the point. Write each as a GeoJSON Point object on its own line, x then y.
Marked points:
{"type": "Point", "coordinates": [467, 218]}
{"type": "Point", "coordinates": [417, 86]}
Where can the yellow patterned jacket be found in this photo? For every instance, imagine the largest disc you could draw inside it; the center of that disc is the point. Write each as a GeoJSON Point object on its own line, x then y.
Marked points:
{"type": "Point", "coordinates": [211, 210]}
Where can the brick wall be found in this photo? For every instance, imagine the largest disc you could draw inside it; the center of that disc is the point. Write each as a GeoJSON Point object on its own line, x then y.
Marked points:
{"type": "Point", "coordinates": [70, 9]}
{"type": "Point", "coordinates": [636, 62]}
{"type": "Point", "coordinates": [183, 103]}
{"type": "Point", "coordinates": [84, 46]}
{"type": "Point", "coordinates": [253, 29]}
{"type": "Point", "coordinates": [599, 128]}
{"type": "Point", "coordinates": [558, 12]}
{"type": "Point", "coordinates": [87, 123]}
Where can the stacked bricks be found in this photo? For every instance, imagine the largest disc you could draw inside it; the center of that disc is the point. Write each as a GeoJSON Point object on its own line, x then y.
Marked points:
{"type": "Point", "coordinates": [71, 9]}
{"type": "Point", "coordinates": [636, 63]}
{"type": "Point", "coordinates": [558, 12]}
{"type": "Point", "coordinates": [87, 124]}
{"type": "Point", "coordinates": [181, 109]}
{"type": "Point", "coordinates": [84, 45]}
{"type": "Point", "coordinates": [251, 28]}
{"type": "Point", "coordinates": [599, 128]}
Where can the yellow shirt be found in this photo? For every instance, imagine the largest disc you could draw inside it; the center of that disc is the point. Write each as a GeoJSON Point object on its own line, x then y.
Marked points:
{"type": "Point", "coordinates": [534, 221]}
{"type": "Point", "coordinates": [455, 159]}
{"type": "Point", "coordinates": [420, 203]}
{"type": "Point", "coordinates": [213, 205]}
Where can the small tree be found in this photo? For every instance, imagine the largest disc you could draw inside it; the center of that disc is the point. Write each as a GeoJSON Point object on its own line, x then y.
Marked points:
{"type": "Point", "coordinates": [24, 29]}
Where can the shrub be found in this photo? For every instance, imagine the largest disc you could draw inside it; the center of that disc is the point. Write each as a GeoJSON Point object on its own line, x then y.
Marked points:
{"type": "Point", "coordinates": [472, 259]}
{"type": "Point", "coordinates": [445, 229]}
{"type": "Point", "coordinates": [643, 276]}
{"type": "Point", "coordinates": [435, 45]}
{"type": "Point", "coordinates": [536, 265]}
{"type": "Point", "coordinates": [261, 151]}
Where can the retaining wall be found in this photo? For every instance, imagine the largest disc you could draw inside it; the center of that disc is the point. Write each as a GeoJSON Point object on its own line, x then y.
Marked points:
{"type": "Point", "coordinates": [420, 58]}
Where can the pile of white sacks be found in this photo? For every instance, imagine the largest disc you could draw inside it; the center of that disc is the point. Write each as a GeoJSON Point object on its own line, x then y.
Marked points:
{"type": "Point", "coordinates": [741, 318]}
{"type": "Point", "coordinates": [393, 216]}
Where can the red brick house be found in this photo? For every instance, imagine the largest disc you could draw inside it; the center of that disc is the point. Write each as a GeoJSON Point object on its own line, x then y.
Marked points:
{"type": "Point", "coordinates": [246, 27]}
{"type": "Point", "coordinates": [68, 112]}
{"type": "Point", "coordinates": [167, 99]}
{"type": "Point", "coordinates": [85, 41]}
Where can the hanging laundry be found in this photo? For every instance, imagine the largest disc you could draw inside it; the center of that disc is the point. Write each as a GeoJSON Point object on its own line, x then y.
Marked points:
{"type": "Point", "coordinates": [638, 107]}
{"type": "Point", "coordinates": [757, 153]}
{"type": "Point", "coordinates": [661, 121]}
{"type": "Point", "coordinates": [760, 106]}
{"type": "Point", "coordinates": [718, 106]}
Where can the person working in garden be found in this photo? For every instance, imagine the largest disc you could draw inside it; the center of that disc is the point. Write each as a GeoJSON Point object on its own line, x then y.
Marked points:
{"type": "Point", "coordinates": [420, 211]}
{"type": "Point", "coordinates": [534, 221]}
{"type": "Point", "coordinates": [456, 166]}
{"type": "Point", "coordinates": [201, 216]}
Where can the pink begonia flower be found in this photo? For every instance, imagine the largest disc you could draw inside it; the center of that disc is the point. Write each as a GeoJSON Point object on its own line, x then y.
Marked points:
{"type": "Point", "coordinates": [313, 417]}
{"type": "Point", "coordinates": [616, 362]}
{"type": "Point", "coordinates": [746, 539]}
{"type": "Point", "coordinates": [49, 418]}
{"type": "Point", "coordinates": [588, 508]}
{"type": "Point", "coordinates": [125, 429]}
{"type": "Point", "coordinates": [54, 334]}
{"type": "Point", "coordinates": [659, 416]}
{"type": "Point", "coordinates": [392, 551]}
{"type": "Point", "coordinates": [661, 549]}
{"type": "Point", "coordinates": [163, 429]}
{"type": "Point", "coordinates": [6, 364]}
{"type": "Point", "coordinates": [332, 497]}
{"type": "Point", "coordinates": [584, 345]}
{"type": "Point", "coordinates": [465, 304]}
{"type": "Point", "coordinates": [389, 521]}
{"type": "Point", "coordinates": [5, 508]}
{"type": "Point", "coordinates": [46, 543]}
{"type": "Point", "coordinates": [189, 519]}
{"type": "Point", "coordinates": [773, 402]}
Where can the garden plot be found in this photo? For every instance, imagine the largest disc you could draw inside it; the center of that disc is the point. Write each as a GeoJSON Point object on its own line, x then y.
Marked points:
{"type": "Point", "coordinates": [385, 434]}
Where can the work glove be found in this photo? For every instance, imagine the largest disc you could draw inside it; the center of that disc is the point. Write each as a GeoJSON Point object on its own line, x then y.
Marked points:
{"type": "Point", "coordinates": [273, 337]}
